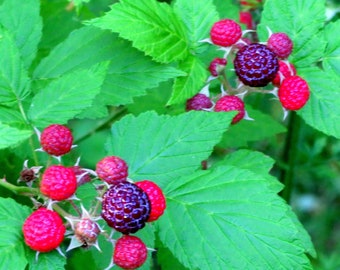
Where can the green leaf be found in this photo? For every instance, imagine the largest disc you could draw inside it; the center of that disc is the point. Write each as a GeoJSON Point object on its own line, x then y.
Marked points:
{"type": "Point", "coordinates": [227, 9]}
{"type": "Point", "coordinates": [262, 127]}
{"type": "Point", "coordinates": [152, 27]}
{"type": "Point", "coordinates": [162, 148]}
{"type": "Point", "coordinates": [59, 20]}
{"type": "Point", "coordinates": [301, 21]}
{"type": "Point", "coordinates": [322, 111]}
{"type": "Point", "coordinates": [167, 260]}
{"type": "Point", "coordinates": [14, 81]}
{"type": "Point", "coordinates": [131, 73]}
{"type": "Point", "coordinates": [250, 160]}
{"type": "Point", "coordinates": [83, 48]}
{"type": "Point", "coordinates": [10, 136]}
{"type": "Point", "coordinates": [187, 86]}
{"type": "Point", "coordinates": [232, 215]}
{"type": "Point", "coordinates": [12, 118]}
{"type": "Point", "coordinates": [12, 216]}
{"type": "Point", "coordinates": [331, 59]}
{"type": "Point", "coordinates": [198, 16]}
{"type": "Point", "coordinates": [67, 96]}
{"type": "Point", "coordinates": [46, 261]}
{"type": "Point", "coordinates": [22, 19]}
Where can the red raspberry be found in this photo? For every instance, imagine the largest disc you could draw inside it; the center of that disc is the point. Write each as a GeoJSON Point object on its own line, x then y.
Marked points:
{"type": "Point", "coordinates": [256, 65]}
{"type": "Point", "coordinates": [246, 18]}
{"type": "Point", "coordinates": [225, 33]}
{"type": "Point", "coordinates": [43, 230]}
{"type": "Point", "coordinates": [217, 66]}
{"type": "Point", "coordinates": [130, 252]}
{"type": "Point", "coordinates": [125, 207]}
{"type": "Point", "coordinates": [112, 169]}
{"type": "Point", "coordinates": [293, 93]}
{"type": "Point", "coordinates": [231, 103]}
{"type": "Point", "coordinates": [156, 197]}
{"type": "Point", "coordinates": [285, 71]}
{"type": "Point", "coordinates": [58, 182]}
{"type": "Point", "coordinates": [87, 231]}
{"type": "Point", "coordinates": [56, 140]}
{"type": "Point", "coordinates": [198, 103]}
{"type": "Point", "coordinates": [281, 44]}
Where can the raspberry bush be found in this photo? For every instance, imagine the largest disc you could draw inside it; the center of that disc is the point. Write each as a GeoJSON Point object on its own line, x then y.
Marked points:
{"type": "Point", "coordinates": [229, 109]}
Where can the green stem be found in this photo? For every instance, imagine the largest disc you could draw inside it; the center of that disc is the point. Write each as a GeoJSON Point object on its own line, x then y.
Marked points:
{"type": "Point", "coordinates": [290, 155]}
{"type": "Point", "coordinates": [22, 111]}
{"type": "Point", "coordinates": [19, 190]}
{"type": "Point", "coordinates": [225, 82]}
{"type": "Point", "coordinates": [100, 124]}
{"type": "Point", "coordinates": [61, 211]}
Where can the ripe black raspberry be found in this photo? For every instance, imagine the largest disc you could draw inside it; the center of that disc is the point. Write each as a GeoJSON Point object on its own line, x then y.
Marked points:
{"type": "Point", "coordinates": [256, 65]}
{"type": "Point", "coordinates": [125, 207]}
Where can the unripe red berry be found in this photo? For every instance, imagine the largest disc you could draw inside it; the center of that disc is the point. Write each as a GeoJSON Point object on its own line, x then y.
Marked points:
{"type": "Point", "coordinates": [58, 182]}
{"type": "Point", "coordinates": [225, 33]}
{"type": "Point", "coordinates": [56, 140]}
{"type": "Point", "coordinates": [43, 230]}
{"type": "Point", "coordinates": [112, 169]}
{"type": "Point", "coordinates": [281, 44]}
{"type": "Point", "coordinates": [293, 93]}
{"type": "Point", "coordinates": [130, 252]}
{"type": "Point", "coordinates": [156, 197]}
{"type": "Point", "coordinates": [246, 18]}
{"type": "Point", "coordinates": [231, 103]}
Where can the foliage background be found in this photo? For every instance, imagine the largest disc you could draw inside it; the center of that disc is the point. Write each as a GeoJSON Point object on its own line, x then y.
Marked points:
{"type": "Point", "coordinates": [311, 173]}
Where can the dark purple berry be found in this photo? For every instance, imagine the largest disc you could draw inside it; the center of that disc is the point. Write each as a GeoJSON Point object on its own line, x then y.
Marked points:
{"type": "Point", "coordinates": [256, 65]}
{"type": "Point", "coordinates": [125, 207]}
{"type": "Point", "coordinates": [198, 103]}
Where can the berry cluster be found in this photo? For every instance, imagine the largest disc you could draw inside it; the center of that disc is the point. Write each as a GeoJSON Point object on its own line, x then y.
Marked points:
{"type": "Point", "coordinates": [258, 68]}
{"type": "Point", "coordinates": [124, 205]}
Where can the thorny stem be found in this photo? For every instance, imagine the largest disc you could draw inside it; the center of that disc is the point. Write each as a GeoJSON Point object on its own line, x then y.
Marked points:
{"type": "Point", "coordinates": [61, 211]}
{"type": "Point", "coordinates": [290, 155]}
{"type": "Point", "coordinates": [98, 203]}
{"type": "Point", "coordinates": [100, 124]}
{"type": "Point", "coordinates": [76, 208]}
{"type": "Point", "coordinates": [225, 82]}
{"type": "Point", "coordinates": [20, 190]}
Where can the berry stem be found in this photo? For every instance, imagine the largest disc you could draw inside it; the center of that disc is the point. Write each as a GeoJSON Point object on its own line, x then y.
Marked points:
{"type": "Point", "coordinates": [22, 111]}
{"type": "Point", "coordinates": [75, 207]}
{"type": "Point", "coordinates": [98, 202]}
{"type": "Point", "coordinates": [19, 190]}
{"type": "Point", "coordinates": [290, 155]}
{"type": "Point", "coordinates": [116, 113]}
{"type": "Point", "coordinates": [225, 82]}
{"type": "Point", "coordinates": [61, 211]}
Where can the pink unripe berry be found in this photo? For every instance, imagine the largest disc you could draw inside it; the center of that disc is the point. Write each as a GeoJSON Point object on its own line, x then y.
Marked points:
{"type": "Point", "coordinates": [281, 44]}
